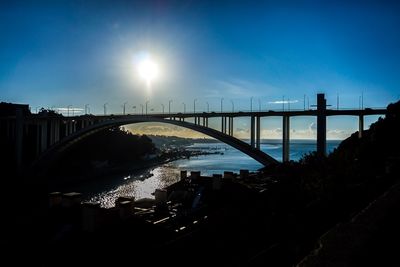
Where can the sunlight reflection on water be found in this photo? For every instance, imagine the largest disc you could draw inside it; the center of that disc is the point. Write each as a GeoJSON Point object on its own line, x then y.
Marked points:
{"type": "Point", "coordinates": [139, 188]}
{"type": "Point", "coordinates": [225, 159]}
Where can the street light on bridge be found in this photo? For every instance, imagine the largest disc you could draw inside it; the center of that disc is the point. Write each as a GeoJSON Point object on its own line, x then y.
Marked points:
{"type": "Point", "coordinates": [208, 107]}
{"type": "Point", "coordinates": [86, 108]}
{"type": "Point", "coordinates": [194, 105]}
{"type": "Point", "coordinates": [222, 100]}
{"type": "Point", "coordinates": [123, 111]}
{"type": "Point", "coordinates": [259, 105]}
{"type": "Point", "coordinates": [233, 106]}
{"type": "Point", "coordinates": [134, 109]}
{"type": "Point", "coordinates": [146, 105]}
{"type": "Point", "coordinates": [105, 108]}
{"type": "Point", "coordinates": [169, 106]}
{"type": "Point", "coordinates": [142, 108]}
{"type": "Point", "coordinates": [251, 104]}
{"type": "Point", "coordinates": [184, 107]}
{"type": "Point", "coordinates": [162, 105]}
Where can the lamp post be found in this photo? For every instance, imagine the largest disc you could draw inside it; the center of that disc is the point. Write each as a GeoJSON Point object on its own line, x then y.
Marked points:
{"type": "Point", "coordinates": [105, 108]}
{"type": "Point", "coordinates": [337, 101]}
{"type": "Point", "coordinates": [184, 107]}
{"type": "Point", "coordinates": [123, 111]}
{"type": "Point", "coordinates": [169, 106]}
{"type": "Point", "coordinates": [68, 110]}
{"type": "Point", "coordinates": [233, 106]}
{"type": "Point", "coordinates": [194, 105]}
{"type": "Point", "coordinates": [162, 105]}
{"type": "Point", "coordinates": [251, 104]}
{"type": "Point", "coordinates": [86, 109]}
{"type": "Point", "coordinates": [134, 108]}
{"type": "Point", "coordinates": [304, 102]}
{"type": "Point", "coordinates": [222, 100]}
{"type": "Point", "coordinates": [208, 107]}
{"type": "Point", "coordinates": [146, 105]}
{"type": "Point", "coordinates": [283, 103]}
{"type": "Point", "coordinates": [142, 108]}
{"type": "Point", "coordinates": [259, 105]}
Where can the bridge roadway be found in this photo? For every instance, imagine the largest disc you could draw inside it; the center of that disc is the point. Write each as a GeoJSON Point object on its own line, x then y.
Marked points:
{"type": "Point", "coordinates": [55, 134]}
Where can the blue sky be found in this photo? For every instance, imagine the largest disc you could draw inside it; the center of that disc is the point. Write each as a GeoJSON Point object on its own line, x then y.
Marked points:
{"type": "Point", "coordinates": [60, 53]}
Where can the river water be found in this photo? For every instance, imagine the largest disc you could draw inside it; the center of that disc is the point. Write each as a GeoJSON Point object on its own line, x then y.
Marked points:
{"type": "Point", "coordinates": [225, 158]}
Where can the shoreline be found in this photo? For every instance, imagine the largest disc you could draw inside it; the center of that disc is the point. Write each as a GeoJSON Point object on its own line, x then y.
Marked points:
{"type": "Point", "coordinates": [109, 173]}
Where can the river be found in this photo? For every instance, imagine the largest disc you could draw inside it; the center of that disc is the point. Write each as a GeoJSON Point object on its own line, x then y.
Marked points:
{"type": "Point", "coordinates": [143, 184]}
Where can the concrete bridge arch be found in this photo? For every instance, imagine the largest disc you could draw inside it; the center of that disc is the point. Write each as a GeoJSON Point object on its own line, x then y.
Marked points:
{"type": "Point", "coordinates": [57, 150]}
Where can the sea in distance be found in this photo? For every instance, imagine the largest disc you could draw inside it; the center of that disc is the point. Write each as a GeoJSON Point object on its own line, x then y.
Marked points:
{"type": "Point", "coordinates": [223, 158]}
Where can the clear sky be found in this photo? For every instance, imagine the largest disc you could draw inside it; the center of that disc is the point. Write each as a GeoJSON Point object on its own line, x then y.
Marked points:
{"type": "Point", "coordinates": [60, 53]}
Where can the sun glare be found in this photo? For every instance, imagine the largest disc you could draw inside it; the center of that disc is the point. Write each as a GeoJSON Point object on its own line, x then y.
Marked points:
{"type": "Point", "coordinates": [148, 70]}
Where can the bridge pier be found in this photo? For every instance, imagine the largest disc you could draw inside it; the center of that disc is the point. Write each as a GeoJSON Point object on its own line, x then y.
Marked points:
{"type": "Point", "coordinates": [321, 125]}
{"type": "Point", "coordinates": [52, 132]}
{"type": "Point", "coordinates": [252, 131]}
{"type": "Point", "coordinates": [225, 125]}
{"type": "Point", "coordinates": [360, 126]}
{"type": "Point", "coordinates": [285, 138]}
{"type": "Point", "coordinates": [258, 131]}
{"type": "Point", "coordinates": [19, 124]}
{"type": "Point", "coordinates": [230, 132]}
{"type": "Point", "coordinates": [43, 136]}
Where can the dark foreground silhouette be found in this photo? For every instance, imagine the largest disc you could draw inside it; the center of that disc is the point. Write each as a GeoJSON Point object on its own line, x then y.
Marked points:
{"type": "Point", "coordinates": [275, 217]}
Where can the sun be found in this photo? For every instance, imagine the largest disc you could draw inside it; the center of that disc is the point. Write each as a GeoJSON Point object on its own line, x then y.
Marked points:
{"type": "Point", "coordinates": [148, 70]}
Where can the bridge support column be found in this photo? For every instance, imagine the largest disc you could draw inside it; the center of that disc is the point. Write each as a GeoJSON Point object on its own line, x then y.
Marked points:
{"type": "Point", "coordinates": [56, 131]}
{"type": "Point", "coordinates": [286, 138]}
{"type": "Point", "coordinates": [52, 132]}
{"type": "Point", "coordinates": [231, 126]}
{"type": "Point", "coordinates": [258, 133]}
{"type": "Point", "coordinates": [43, 136]}
{"type": "Point", "coordinates": [19, 128]}
{"type": "Point", "coordinates": [360, 125]}
{"type": "Point", "coordinates": [222, 124]}
{"type": "Point", "coordinates": [252, 131]}
{"type": "Point", "coordinates": [321, 125]}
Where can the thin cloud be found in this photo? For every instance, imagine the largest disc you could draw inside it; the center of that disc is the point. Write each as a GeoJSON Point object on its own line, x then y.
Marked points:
{"type": "Point", "coordinates": [284, 102]}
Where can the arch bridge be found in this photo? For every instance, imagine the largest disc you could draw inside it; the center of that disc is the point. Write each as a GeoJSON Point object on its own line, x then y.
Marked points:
{"type": "Point", "coordinates": [54, 135]}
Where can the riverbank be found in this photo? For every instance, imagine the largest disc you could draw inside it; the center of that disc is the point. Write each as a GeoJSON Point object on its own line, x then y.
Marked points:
{"type": "Point", "coordinates": [141, 169]}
